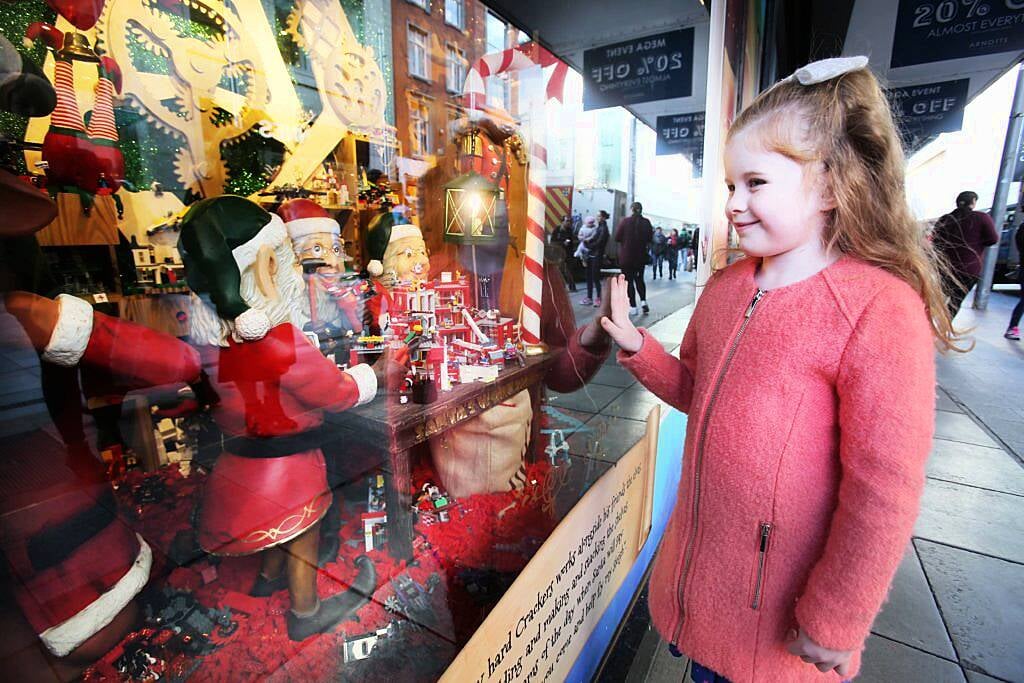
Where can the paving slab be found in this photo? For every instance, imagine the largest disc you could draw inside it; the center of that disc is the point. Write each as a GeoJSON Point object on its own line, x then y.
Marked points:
{"type": "Point", "coordinates": [975, 677]}
{"type": "Point", "coordinates": [960, 427]}
{"type": "Point", "coordinates": [944, 402]}
{"type": "Point", "coordinates": [590, 398]}
{"type": "Point", "coordinates": [963, 463]}
{"type": "Point", "coordinates": [974, 519]}
{"type": "Point", "coordinates": [886, 661]}
{"type": "Point", "coordinates": [613, 376]}
{"type": "Point", "coordinates": [983, 605]}
{"type": "Point", "coordinates": [633, 405]}
{"type": "Point", "coordinates": [910, 615]}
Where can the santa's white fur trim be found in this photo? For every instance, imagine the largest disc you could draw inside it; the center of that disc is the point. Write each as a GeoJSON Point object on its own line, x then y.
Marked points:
{"type": "Point", "coordinates": [63, 638]}
{"type": "Point", "coordinates": [375, 268]}
{"type": "Point", "coordinates": [272, 234]}
{"type": "Point", "coordinates": [71, 333]}
{"type": "Point", "coordinates": [252, 325]}
{"type": "Point", "coordinates": [404, 230]}
{"type": "Point", "coordinates": [300, 227]}
{"type": "Point", "coordinates": [366, 381]}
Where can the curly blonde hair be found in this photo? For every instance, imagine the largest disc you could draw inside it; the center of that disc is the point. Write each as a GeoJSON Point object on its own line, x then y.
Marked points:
{"type": "Point", "coordinates": [845, 123]}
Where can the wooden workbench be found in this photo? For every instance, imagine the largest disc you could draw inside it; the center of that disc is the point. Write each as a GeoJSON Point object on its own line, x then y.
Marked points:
{"type": "Point", "coordinates": [385, 421]}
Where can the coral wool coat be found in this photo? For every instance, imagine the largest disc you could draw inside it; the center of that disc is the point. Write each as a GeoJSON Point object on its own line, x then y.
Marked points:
{"type": "Point", "coordinates": [810, 423]}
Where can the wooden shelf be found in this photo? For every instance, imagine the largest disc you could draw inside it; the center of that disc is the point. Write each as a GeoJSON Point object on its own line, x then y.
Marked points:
{"type": "Point", "coordinates": [72, 228]}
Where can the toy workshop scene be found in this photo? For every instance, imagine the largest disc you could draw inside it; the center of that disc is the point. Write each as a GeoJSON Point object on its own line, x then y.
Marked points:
{"type": "Point", "coordinates": [284, 353]}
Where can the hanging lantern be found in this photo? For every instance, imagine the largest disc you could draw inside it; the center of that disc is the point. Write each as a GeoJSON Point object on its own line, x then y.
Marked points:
{"type": "Point", "coordinates": [470, 209]}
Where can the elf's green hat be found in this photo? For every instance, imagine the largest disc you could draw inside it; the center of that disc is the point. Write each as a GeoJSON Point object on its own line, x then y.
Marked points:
{"type": "Point", "coordinates": [220, 238]}
{"type": "Point", "coordinates": [379, 234]}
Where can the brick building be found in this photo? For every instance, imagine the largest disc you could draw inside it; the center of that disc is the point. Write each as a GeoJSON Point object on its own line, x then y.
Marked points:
{"type": "Point", "coordinates": [434, 43]}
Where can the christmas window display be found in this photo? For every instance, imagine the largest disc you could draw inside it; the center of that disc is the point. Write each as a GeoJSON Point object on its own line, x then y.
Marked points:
{"type": "Point", "coordinates": [296, 419]}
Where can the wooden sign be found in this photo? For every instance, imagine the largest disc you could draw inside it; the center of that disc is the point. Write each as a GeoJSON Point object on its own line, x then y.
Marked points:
{"type": "Point", "coordinates": [539, 627]}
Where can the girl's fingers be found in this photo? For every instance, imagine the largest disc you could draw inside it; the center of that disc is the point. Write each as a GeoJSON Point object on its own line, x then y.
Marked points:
{"type": "Point", "coordinates": [844, 669]}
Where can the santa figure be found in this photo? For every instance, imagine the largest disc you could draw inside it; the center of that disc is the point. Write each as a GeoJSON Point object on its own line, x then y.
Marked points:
{"type": "Point", "coordinates": [268, 491]}
{"type": "Point", "coordinates": [77, 566]}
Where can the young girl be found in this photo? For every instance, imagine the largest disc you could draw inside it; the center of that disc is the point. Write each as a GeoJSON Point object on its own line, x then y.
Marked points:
{"type": "Point", "coordinates": [808, 376]}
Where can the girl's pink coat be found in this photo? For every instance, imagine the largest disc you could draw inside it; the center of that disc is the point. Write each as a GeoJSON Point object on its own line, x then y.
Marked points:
{"type": "Point", "coordinates": [821, 427]}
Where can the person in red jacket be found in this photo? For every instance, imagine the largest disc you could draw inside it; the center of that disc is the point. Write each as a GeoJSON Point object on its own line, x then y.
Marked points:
{"type": "Point", "coordinates": [808, 374]}
{"type": "Point", "coordinates": [962, 237]}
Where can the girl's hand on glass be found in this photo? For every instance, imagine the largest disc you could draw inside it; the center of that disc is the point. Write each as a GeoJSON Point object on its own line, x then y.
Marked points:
{"type": "Point", "coordinates": [801, 645]}
{"type": "Point", "coordinates": [619, 327]}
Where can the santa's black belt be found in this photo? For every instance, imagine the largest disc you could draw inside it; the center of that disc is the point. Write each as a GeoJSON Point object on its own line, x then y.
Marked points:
{"type": "Point", "coordinates": [51, 545]}
{"type": "Point", "coordinates": [275, 446]}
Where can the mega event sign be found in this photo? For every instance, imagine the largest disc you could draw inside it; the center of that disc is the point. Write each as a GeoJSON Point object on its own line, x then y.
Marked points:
{"type": "Point", "coordinates": [928, 31]}
{"type": "Point", "coordinates": [929, 109]}
{"type": "Point", "coordinates": [657, 67]}
{"type": "Point", "coordinates": [682, 134]}
{"type": "Point", "coordinates": [1018, 168]}
{"type": "Point", "coordinates": [539, 627]}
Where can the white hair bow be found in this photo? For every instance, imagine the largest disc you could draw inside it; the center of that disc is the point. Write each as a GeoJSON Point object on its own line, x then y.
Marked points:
{"type": "Point", "coordinates": [827, 69]}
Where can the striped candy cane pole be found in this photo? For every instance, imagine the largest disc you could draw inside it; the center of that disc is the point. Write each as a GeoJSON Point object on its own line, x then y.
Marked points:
{"type": "Point", "coordinates": [474, 93]}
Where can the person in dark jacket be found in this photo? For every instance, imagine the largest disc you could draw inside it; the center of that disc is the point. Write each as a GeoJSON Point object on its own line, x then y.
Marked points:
{"type": "Point", "coordinates": [961, 237]}
{"type": "Point", "coordinates": [659, 251]}
{"type": "Point", "coordinates": [562, 236]}
{"type": "Point", "coordinates": [594, 256]}
{"type": "Point", "coordinates": [1012, 332]}
{"type": "Point", "coordinates": [634, 235]}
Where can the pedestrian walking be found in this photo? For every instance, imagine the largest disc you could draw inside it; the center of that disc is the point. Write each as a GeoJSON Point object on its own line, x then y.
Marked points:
{"type": "Point", "coordinates": [808, 373]}
{"type": "Point", "coordinates": [593, 240]}
{"type": "Point", "coordinates": [562, 237]}
{"type": "Point", "coordinates": [1012, 332]}
{"type": "Point", "coordinates": [659, 245]}
{"type": "Point", "coordinates": [674, 245]}
{"type": "Point", "coordinates": [634, 235]}
{"type": "Point", "coordinates": [961, 238]}
{"type": "Point", "coordinates": [694, 249]}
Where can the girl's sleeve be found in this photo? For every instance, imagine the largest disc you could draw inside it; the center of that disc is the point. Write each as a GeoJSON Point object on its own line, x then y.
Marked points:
{"type": "Point", "coordinates": [667, 377]}
{"type": "Point", "coordinates": [886, 390]}
{"type": "Point", "coordinates": [575, 364]}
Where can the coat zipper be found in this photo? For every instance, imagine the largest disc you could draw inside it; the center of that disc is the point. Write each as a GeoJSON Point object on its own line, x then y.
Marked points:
{"type": "Point", "coordinates": [688, 555]}
{"type": "Point", "coordinates": [766, 533]}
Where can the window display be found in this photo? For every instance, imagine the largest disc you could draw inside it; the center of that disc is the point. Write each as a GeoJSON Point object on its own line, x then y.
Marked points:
{"type": "Point", "coordinates": [296, 396]}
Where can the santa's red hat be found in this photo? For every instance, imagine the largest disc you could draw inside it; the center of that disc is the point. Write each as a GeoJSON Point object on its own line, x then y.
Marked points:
{"type": "Point", "coordinates": [304, 217]}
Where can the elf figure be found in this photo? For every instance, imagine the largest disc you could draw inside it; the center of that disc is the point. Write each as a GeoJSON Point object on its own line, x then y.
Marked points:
{"type": "Point", "coordinates": [268, 491]}
{"type": "Point", "coordinates": [79, 160]}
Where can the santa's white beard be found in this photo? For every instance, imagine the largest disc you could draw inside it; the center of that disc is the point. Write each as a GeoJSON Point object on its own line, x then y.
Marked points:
{"type": "Point", "coordinates": [291, 305]}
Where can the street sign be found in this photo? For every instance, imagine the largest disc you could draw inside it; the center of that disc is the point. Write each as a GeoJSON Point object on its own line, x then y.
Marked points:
{"type": "Point", "coordinates": [925, 110]}
{"type": "Point", "coordinates": [657, 67]}
{"type": "Point", "coordinates": [928, 31]}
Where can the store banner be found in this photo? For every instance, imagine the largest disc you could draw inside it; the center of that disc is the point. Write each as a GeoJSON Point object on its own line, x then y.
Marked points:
{"type": "Point", "coordinates": [925, 110]}
{"type": "Point", "coordinates": [538, 629]}
{"type": "Point", "coordinates": [658, 67]}
{"type": "Point", "coordinates": [928, 31]}
{"type": "Point", "coordinates": [682, 134]}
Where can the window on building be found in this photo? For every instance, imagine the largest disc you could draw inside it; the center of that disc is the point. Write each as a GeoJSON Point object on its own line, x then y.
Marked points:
{"type": "Point", "coordinates": [419, 53]}
{"type": "Point", "coordinates": [496, 37]}
{"type": "Point", "coordinates": [494, 33]}
{"type": "Point", "coordinates": [456, 76]}
{"type": "Point", "coordinates": [425, 4]}
{"type": "Point", "coordinates": [455, 13]}
{"type": "Point", "coordinates": [419, 127]}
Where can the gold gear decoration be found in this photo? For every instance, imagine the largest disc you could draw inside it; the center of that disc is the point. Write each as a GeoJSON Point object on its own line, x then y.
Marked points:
{"type": "Point", "coordinates": [200, 100]}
